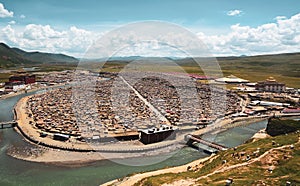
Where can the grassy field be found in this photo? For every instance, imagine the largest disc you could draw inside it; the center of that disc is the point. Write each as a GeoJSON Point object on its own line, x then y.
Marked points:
{"type": "Point", "coordinates": [285, 162]}
{"type": "Point", "coordinates": [283, 67]}
{"type": "Point", "coordinates": [41, 68]}
{"type": "Point", "coordinates": [4, 77]}
{"type": "Point", "coordinates": [280, 126]}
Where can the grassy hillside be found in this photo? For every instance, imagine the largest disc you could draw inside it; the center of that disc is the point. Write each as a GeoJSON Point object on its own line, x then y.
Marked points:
{"type": "Point", "coordinates": [14, 57]}
{"type": "Point", "coordinates": [283, 64]}
{"type": "Point", "coordinates": [9, 58]}
{"type": "Point", "coordinates": [271, 161]}
{"type": "Point", "coordinates": [278, 126]}
{"type": "Point", "coordinates": [284, 67]}
{"type": "Point", "coordinates": [45, 57]}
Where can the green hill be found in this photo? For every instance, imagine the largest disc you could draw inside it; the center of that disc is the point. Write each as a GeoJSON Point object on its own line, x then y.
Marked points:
{"type": "Point", "coordinates": [282, 64]}
{"type": "Point", "coordinates": [278, 126]}
{"type": "Point", "coordinates": [269, 161]}
{"type": "Point", "coordinates": [284, 67]}
{"type": "Point", "coordinates": [15, 57]}
{"type": "Point", "coordinates": [9, 58]}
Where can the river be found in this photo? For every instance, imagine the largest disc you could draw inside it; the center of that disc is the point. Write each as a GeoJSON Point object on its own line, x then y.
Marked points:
{"type": "Point", "coordinates": [19, 172]}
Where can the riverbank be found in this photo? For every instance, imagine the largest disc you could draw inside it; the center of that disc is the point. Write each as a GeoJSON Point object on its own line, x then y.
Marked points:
{"type": "Point", "coordinates": [81, 151]}
{"type": "Point", "coordinates": [223, 124]}
{"type": "Point", "coordinates": [31, 90]}
{"type": "Point", "coordinates": [55, 156]}
{"type": "Point", "coordinates": [269, 161]}
{"type": "Point", "coordinates": [88, 173]}
{"type": "Point", "coordinates": [137, 177]}
{"type": "Point", "coordinates": [94, 152]}
{"type": "Point", "coordinates": [261, 134]}
{"type": "Point", "coordinates": [76, 151]}
{"type": "Point", "coordinates": [195, 165]}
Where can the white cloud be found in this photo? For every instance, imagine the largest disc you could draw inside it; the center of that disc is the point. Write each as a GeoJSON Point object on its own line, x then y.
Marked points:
{"type": "Point", "coordinates": [22, 16]}
{"type": "Point", "coordinates": [40, 32]}
{"type": "Point", "coordinates": [12, 22]}
{"type": "Point", "coordinates": [148, 39]}
{"type": "Point", "coordinates": [280, 17]}
{"type": "Point", "coordinates": [72, 41]}
{"type": "Point", "coordinates": [279, 37]}
{"type": "Point", "coordinates": [8, 34]}
{"type": "Point", "coordinates": [282, 35]}
{"type": "Point", "coordinates": [4, 12]}
{"type": "Point", "coordinates": [234, 12]}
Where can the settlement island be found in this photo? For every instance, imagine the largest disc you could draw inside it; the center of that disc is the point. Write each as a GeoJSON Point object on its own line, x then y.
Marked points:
{"type": "Point", "coordinates": [154, 112]}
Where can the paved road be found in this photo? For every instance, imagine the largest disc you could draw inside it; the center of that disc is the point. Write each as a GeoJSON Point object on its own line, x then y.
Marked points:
{"type": "Point", "coordinates": [151, 107]}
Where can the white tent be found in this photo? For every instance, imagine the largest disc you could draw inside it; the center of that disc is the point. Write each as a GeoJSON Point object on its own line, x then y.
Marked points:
{"type": "Point", "coordinates": [231, 79]}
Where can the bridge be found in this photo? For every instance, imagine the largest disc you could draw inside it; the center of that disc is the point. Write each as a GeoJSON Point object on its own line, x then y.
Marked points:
{"type": "Point", "coordinates": [194, 138]}
{"type": "Point", "coordinates": [8, 124]}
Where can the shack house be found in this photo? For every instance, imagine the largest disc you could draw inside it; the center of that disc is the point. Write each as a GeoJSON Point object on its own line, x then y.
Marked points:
{"type": "Point", "coordinates": [154, 135]}
{"type": "Point", "coordinates": [26, 79]}
{"type": "Point", "coordinates": [61, 137]}
{"type": "Point", "coordinates": [231, 80]}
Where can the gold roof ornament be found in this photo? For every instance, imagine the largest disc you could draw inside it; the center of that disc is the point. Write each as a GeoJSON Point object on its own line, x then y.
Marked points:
{"type": "Point", "coordinates": [271, 79]}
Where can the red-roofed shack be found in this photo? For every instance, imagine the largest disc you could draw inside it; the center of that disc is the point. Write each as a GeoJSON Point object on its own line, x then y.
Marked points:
{"type": "Point", "coordinates": [289, 110]}
{"type": "Point", "coordinates": [26, 79]}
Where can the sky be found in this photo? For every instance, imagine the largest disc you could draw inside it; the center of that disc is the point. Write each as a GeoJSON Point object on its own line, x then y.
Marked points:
{"type": "Point", "coordinates": [226, 27]}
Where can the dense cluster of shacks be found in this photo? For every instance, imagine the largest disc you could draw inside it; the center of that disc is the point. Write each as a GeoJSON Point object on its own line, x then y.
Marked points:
{"type": "Point", "coordinates": [56, 77]}
{"type": "Point", "coordinates": [52, 112]}
{"type": "Point", "coordinates": [183, 101]}
{"type": "Point", "coordinates": [107, 106]}
{"type": "Point", "coordinates": [283, 97]}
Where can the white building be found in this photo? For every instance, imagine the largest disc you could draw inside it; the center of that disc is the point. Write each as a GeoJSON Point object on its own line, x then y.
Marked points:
{"type": "Point", "coordinates": [231, 79]}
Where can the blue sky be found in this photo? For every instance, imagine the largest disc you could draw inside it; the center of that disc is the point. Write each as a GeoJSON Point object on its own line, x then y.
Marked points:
{"type": "Point", "coordinates": [195, 13]}
{"type": "Point", "coordinates": [207, 18]}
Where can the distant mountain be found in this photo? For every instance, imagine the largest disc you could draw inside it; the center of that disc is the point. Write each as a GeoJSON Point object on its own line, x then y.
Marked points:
{"type": "Point", "coordinates": [129, 59]}
{"type": "Point", "coordinates": [11, 57]}
{"type": "Point", "coordinates": [254, 67]}
{"type": "Point", "coordinates": [45, 57]}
